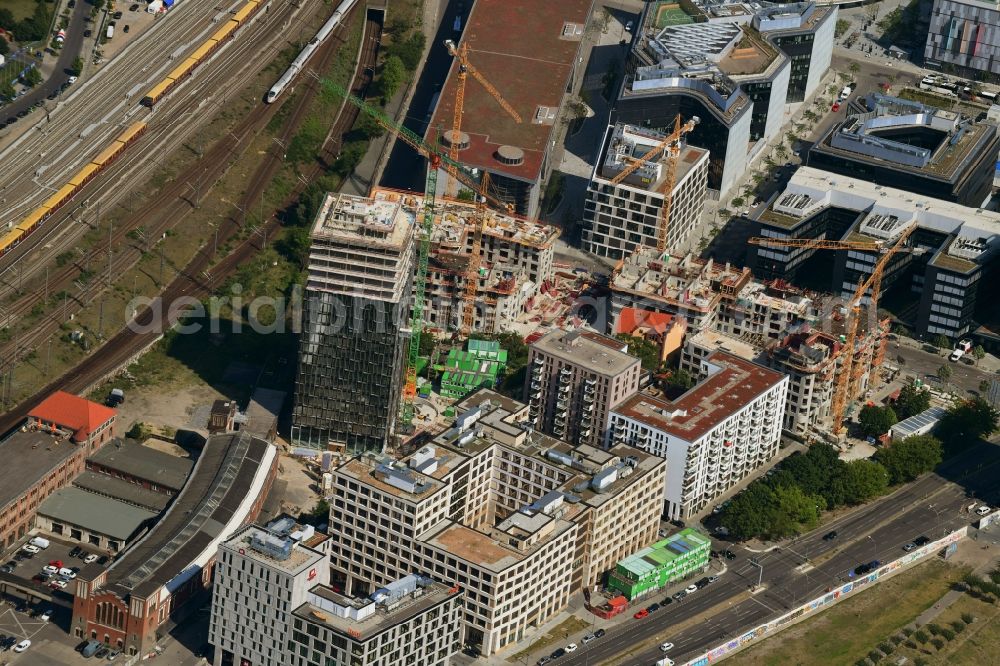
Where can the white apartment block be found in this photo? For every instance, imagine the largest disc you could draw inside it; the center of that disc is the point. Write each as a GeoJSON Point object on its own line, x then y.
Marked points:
{"type": "Point", "coordinates": [515, 259]}
{"type": "Point", "coordinates": [261, 576]}
{"type": "Point", "coordinates": [409, 621]}
{"type": "Point", "coordinates": [712, 436]}
{"type": "Point", "coordinates": [517, 520]}
{"type": "Point", "coordinates": [618, 218]}
{"type": "Point", "coordinates": [573, 380]}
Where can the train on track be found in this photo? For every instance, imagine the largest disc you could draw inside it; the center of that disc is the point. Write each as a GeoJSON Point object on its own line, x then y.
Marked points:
{"type": "Point", "coordinates": [202, 53]}
{"type": "Point", "coordinates": [300, 61]}
{"type": "Point", "coordinates": [12, 238]}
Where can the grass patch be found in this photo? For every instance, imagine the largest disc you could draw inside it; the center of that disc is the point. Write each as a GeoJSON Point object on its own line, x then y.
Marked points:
{"type": "Point", "coordinates": [21, 9]}
{"type": "Point", "coordinates": [556, 636]}
{"type": "Point", "coordinates": [849, 631]}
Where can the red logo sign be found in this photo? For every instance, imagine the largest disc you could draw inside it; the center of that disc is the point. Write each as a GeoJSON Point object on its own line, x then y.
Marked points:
{"type": "Point", "coordinates": [312, 574]}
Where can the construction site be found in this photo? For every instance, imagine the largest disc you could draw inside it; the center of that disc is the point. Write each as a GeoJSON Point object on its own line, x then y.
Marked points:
{"type": "Point", "coordinates": [799, 333]}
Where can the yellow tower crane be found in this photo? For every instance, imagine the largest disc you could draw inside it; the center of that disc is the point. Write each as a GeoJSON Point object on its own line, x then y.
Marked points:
{"type": "Point", "coordinates": [670, 147]}
{"type": "Point", "coordinates": [461, 53]}
{"type": "Point", "coordinates": [844, 388]}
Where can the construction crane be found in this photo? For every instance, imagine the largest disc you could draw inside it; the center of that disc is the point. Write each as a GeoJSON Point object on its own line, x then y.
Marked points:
{"type": "Point", "coordinates": [436, 159]}
{"type": "Point", "coordinates": [844, 388]}
{"type": "Point", "coordinates": [670, 146]}
{"type": "Point", "coordinates": [461, 53]}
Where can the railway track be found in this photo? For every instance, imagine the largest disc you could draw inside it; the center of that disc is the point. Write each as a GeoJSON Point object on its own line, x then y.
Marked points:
{"type": "Point", "coordinates": [163, 211]}
{"type": "Point", "coordinates": [194, 280]}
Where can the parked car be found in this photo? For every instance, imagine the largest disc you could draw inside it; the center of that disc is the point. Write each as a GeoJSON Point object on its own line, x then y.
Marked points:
{"type": "Point", "coordinates": [910, 546]}
{"type": "Point", "coordinates": [641, 614]}
{"type": "Point", "coordinates": [543, 661]}
{"type": "Point", "coordinates": [599, 633]}
{"type": "Point", "coordinates": [61, 584]}
{"type": "Point", "coordinates": [587, 638]}
{"type": "Point", "coordinates": [570, 648]}
{"type": "Point", "coordinates": [68, 573]}
{"type": "Point", "coordinates": [983, 510]}
{"type": "Point", "coordinates": [102, 653]}
{"type": "Point", "coordinates": [862, 569]}
{"type": "Point", "coordinates": [50, 569]}
{"type": "Point", "coordinates": [114, 654]}
{"type": "Point", "coordinates": [666, 647]}
{"type": "Point", "coordinates": [75, 552]}
{"type": "Point", "coordinates": [46, 615]}
{"type": "Point", "coordinates": [88, 33]}
{"type": "Point", "coordinates": [134, 8]}
{"type": "Point", "coordinates": [28, 548]}
{"type": "Point", "coordinates": [729, 555]}
{"type": "Point", "coordinates": [22, 646]}
{"type": "Point", "coordinates": [90, 558]}
{"type": "Point", "coordinates": [691, 589]}
{"type": "Point", "coordinates": [653, 607]}
{"type": "Point", "coordinates": [117, 15]}
{"type": "Point", "coordinates": [558, 653]}
{"type": "Point", "coordinates": [921, 541]}
{"type": "Point", "coordinates": [679, 596]}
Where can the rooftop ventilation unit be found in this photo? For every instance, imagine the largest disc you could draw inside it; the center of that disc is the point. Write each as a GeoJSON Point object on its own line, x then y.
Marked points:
{"type": "Point", "coordinates": [271, 545]}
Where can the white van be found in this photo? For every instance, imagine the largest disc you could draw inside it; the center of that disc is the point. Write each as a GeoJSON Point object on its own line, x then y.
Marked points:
{"type": "Point", "coordinates": [845, 93]}
{"type": "Point", "coordinates": [40, 542]}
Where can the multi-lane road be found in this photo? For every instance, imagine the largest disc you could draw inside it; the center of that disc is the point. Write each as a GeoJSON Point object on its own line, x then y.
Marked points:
{"type": "Point", "coordinates": [803, 568]}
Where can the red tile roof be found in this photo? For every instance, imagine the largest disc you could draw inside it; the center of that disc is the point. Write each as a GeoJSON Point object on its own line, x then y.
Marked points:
{"type": "Point", "coordinates": [706, 405]}
{"type": "Point", "coordinates": [72, 413]}
{"type": "Point", "coordinates": [517, 45]}
{"type": "Point", "coordinates": [632, 318]}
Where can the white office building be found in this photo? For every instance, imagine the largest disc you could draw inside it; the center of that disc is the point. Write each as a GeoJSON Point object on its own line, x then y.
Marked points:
{"type": "Point", "coordinates": [712, 436]}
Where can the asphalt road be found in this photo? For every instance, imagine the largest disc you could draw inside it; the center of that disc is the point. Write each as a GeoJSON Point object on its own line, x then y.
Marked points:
{"type": "Point", "coordinates": [804, 567]}
{"type": "Point", "coordinates": [924, 365]}
{"type": "Point", "coordinates": [70, 50]}
{"type": "Point", "coordinates": [405, 169]}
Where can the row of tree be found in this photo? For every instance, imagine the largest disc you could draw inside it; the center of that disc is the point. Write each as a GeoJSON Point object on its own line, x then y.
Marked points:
{"type": "Point", "coordinates": [793, 498]}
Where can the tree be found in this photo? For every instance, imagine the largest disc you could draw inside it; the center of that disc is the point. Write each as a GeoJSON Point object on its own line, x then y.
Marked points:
{"type": "Point", "coordinates": [644, 350]}
{"type": "Point", "coordinates": [855, 68]}
{"type": "Point", "coordinates": [943, 373]}
{"type": "Point", "coordinates": [908, 458]}
{"type": "Point", "coordinates": [968, 421]}
{"type": "Point", "coordinates": [738, 202]}
{"type": "Point", "coordinates": [139, 431]}
{"type": "Point", "coordinates": [77, 69]}
{"type": "Point", "coordinates": [812, 470]}
{"type": "Point", "coordinates": [32, 77]}
{"type": "Point", "coordinates": [911, 401]}
{"type": "Point", "coordinates": [978, 353]}
{"type": "Point", "coordinates": [984, 386]}
{"type": "Point", "coordinates": [393, 75]}
{"type": "Point", "coordinates": [4, 46]}
{"type": "Point", "coordinates": [7, 90]}
{"type": "Point", "coordinates": [794, 511]}
{"type": "Point", "coordinates": [861, 481]}
{"type": "Point", "coordinates": [749, 514]}
{"type": "Point", "coordinates": [842, 26]}
{"type": "Point", "coordinates": [7, 20]}
{"type": "Point", "coordinates": [941, 341]}
{"type": "Point", "coordinates": [409, 50]}
{"type": "Point", "coordinates": [876, 421]}
{"type": "Point", "coordinates": [367, 127]}
{"type": "Point", "coordinates": [681, 379]}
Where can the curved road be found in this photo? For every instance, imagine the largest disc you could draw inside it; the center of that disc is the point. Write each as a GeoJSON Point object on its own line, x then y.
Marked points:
{"type": "Point", "coordinates": [70, 50]}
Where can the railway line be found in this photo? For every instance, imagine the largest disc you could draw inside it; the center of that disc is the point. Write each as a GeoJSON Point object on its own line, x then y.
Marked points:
{"type": "Point", "coordinates": [193, 280]}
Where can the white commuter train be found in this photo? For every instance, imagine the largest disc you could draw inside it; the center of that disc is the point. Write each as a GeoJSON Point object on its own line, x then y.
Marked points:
{"type": "Point", "coordinates": [300, 60]}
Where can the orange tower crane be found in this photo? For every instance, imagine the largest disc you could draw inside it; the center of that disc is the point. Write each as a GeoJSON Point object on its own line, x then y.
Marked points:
{"type": "Point", "coordinates": [670, 146]}
{"type": "Point", "coordinates": [454, 141]}
{"type": "Point", "coordinates": [845, 388]}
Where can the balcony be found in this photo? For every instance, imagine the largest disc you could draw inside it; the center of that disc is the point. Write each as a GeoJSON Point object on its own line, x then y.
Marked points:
{"type": "Point", "coordinates": [563, 389]}
{"type": "Point", "coordinates": [562, 405]}
{"type": "Point", "coordinates": [588, 399]}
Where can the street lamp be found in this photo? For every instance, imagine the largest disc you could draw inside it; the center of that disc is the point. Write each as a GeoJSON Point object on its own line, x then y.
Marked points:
{"type": "Point", "coordinates": [874, 547]}
{"type": "Point", "coordinates": [760, 575]}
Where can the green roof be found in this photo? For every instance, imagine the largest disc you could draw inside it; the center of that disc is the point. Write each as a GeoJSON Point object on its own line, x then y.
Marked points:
{"type": "Point", "coordinates": [662, 553]}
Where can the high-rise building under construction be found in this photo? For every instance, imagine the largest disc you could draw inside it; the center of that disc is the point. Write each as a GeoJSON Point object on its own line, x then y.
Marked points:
{"type": "Point", "coordinates": [355, 325]}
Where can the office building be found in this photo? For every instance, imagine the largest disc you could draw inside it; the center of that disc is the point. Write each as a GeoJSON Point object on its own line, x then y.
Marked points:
{"type": "Point", "coordinates": [573, 380]}
{"type": "Point", "coordinates": [713, 436]}
{"type": "Point", "coordinates": [413, 620]}
{"type": "Point", "coordinates": [913, 147]}
{"type": "Point", "coordinates": [517, 520]}
{"type": "Point", "coordinates": [618, 218]}
{"type": "Point", "coordinates": [656, 566]}
{"type": "Point", "coordinates": [354, 336]}
{"type": "Point", "coordinates": [529, 51]}
{"type": "Point", "coordinates": [735, 65]}
{"type": "Point", "coordinates": [262, 575]}
{"type": "Point", "coordinates": [963, 37]}
{"type": "Point", "coordinates": [947, 255]}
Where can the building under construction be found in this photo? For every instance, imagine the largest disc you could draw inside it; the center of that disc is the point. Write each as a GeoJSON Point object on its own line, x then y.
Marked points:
{"type": "Point", "coordinates": [515, 259]}
{"type": "Point", "coordinates": [354, 332]}
{"type": "Point", "coordinates": [799, 333]}
{"type": "Point", "coordinates": [619, 217]}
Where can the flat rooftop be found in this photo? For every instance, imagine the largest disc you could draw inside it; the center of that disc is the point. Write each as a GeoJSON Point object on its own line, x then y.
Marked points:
{"type": "Point", "coordinates": [708, 403]}
{"type": "Point", "coordinates": [527, 50]}
{"type": "Point", "coordinates": [593, 351]}
{"type": "Point", "coordinates": [132, 458]}
{"type": "Point", "coordinates": [75, 506]}
{"type": "Point", "coordinates": [219, 484]}
{"type": "Point", "coordinates": [352, 219]}
{"type": "Point", "coordinates": [299, 559]}
{"type": "Point", "coordinates": [710, 339]}
{"type": "Point", "coordinates": [381, 620]}
{"type": "Point", "coordinates": [625, 144]}
{"type": "Point", "coordinates": [28, 457]}
{"type": "Point", "coordinates": [811, 190]}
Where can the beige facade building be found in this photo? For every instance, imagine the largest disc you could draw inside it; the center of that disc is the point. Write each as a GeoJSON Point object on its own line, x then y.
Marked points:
{"type": "Point", "coordinates": [516, 519]}
{"type": "Point", "coordinates": [618, 218]}
{"type": "Point", "coordinates": [574, 378]}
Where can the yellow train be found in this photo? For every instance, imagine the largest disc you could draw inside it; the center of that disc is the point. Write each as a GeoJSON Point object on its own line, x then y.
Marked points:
{"type": "Point", "coordinates": [12, 237]}
{"type": "Point", "coordinates": [183, 70]}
